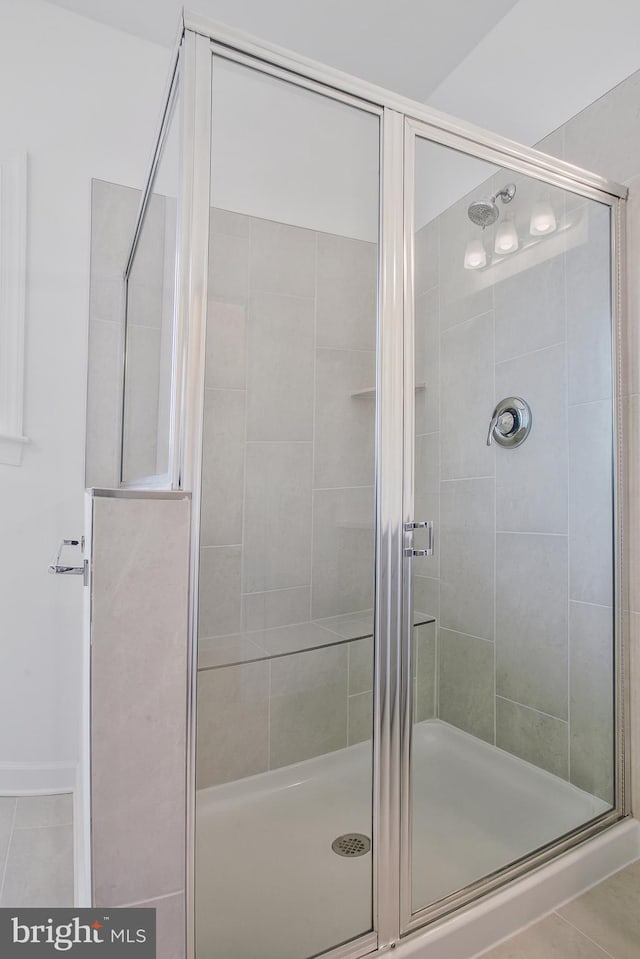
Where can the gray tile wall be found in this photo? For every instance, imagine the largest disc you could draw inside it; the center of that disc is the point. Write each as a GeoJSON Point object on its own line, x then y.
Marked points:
{"type": "Point", "coordinates": [140, 562]}
{"type": "Point", "coordinates": [522, 584]}
{"type": "Point", "coordinates": [287, 512]}
{"type": "Point", "coordinates": [262, 715]}
{"type": "Point", "coordinates": [150, 306]}
{"type": "Point", "coordinates": [288, 477]}
{"type": "Point", "coordinates": [606, 137]}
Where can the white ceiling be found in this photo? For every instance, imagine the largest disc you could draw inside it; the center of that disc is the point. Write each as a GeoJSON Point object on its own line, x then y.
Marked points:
{"type": "Point", "coordinates": [518, 67]}
{"type": "Point", "coordinates": [408, 46]}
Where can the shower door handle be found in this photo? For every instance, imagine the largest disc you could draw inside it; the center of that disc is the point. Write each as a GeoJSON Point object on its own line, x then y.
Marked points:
{"type": "Point", "coordinates": [424, 524]}
{"type": "Point", "coordinates": [61, 569]}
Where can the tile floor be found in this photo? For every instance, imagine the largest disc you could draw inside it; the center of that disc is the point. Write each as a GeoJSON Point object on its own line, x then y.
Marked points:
{"type": "Point", "coordinates": [603, 923]}
{"type": "Point", "coordinates": [36, 851]}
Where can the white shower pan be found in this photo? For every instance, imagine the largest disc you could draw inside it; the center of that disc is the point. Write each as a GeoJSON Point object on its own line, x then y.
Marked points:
{"type": "Point", "coordinates": [266, 872]}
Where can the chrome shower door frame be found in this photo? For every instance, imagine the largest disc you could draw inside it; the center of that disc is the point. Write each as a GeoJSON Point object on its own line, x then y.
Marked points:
{"type": "Point", "coordinates": [565, 176]}
{"type": "Point", "coordinates": [402, 120]}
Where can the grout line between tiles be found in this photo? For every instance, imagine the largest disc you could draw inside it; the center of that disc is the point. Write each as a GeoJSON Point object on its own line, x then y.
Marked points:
{"type": "Point", "coordinates": [312, 497]}
{"type": "Point", "coordinates": [438, 329]}
{"type": "Point", "coordinates": [450, 629]}
{"type": "Point", "coordinates": [247, 326]}
{"type": "Point", "coordinates": [572, 925]}
{"type": "Point", "coordinates": [539, 349]}
{"type": "Point", "coordinates": [568, 497]}
{"type": "Point", "coordinates": [140, 902]}
{"type": "Point", "coordinates": [270, 662]}
{"type": "Point", "coordinates": [582, 602]}
{"type": "Point", "coordinates": [495, 536]}
{"type": "Point", "coordinates": [9, 844]}
{"type": "Point", "coordinates": [49, 825]}
{"type": "Point", "coordinates": [533, 709]}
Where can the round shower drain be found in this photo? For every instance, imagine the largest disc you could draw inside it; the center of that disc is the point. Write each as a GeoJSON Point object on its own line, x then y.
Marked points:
{"type": "Point", "coordinates": [351, 844]}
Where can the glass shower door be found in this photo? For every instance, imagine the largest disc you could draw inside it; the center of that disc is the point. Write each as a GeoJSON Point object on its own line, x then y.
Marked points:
{"type": "Point", "coordinates": [512, 665]}
{"type": "Point", "coordinates": [284, 859]}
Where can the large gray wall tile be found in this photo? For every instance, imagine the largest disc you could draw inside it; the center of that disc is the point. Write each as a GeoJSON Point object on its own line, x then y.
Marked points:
{"type": "Point", "coordinates": [589, 310]}
{"type": "Point", "coordinates": [427, 361]}
{"type": "Point", "coordinates": [141, 402]}
{"type": "Point", "coordinates": [113, 215]}
{"type": "Point", "coordinates": [427, 499]}
{"type": "Point", "coordinates": [360, 718]}
{"type": "Point", "coordinates": [631, 502]}
{"type": "Point", "coordinates": [308, 705]}
{"type": "Point", "coordinates": [424, 638]}
{"type": "Point", "coordinates": [344, 424]}
{"type": "Point", "coordinates": [280, 368]}
{"type": "Point", "coordinates": [530, 309]}
{"type": "Point", "coordinates": [532, 480]}
{"type": "Point", "coordinates": [426, 594]}
{"type": "Point", "coordinates": [466, 398]}
{"type": "Point", "coordinates": [605, 136]}
{"type": "Point", "coordinates": [343, 551]}
{"type": "Point", "coordinates": [466, 556]}
{"type": "Point", "coordinates": [466, 693]}
{"type": "Point", "coordinates": [276, 607]}
{"type": "Point", "coordinates": [219, 590]}
{"type": "Point", "coordinates": [463, 293]}
{"type": "Point", "coordinates": [233, 723]}
{"type": "Point", "coordinates": [223, 449]}
{"type": "Point", "coordinates": [631, 327]}
{"type": "Point", "coordinates": [346, 293]}
{"type": "Point", "coordinates": [590, 502]}
{"type": "Point", "coordinates": [225, 364]}
{"type": "Point", "coordinates": [532, 620]}
{"type": "Point", "coordinates": [591, 653]}
{"type": "Point", "coordinates": [138, 696]}
{"type": "Point", "coordinates": [228, 223]}
{"type": "Point", "coordinates": [533, 736]}
{"type": "Point", "coordinates": [104, 404]}
{"type": "Point", "coordinates": [427, 256]}
{"type": "Point", "coordinates": [283, 259]}
{"type": "Point", "coordinates": [228, 268]}
{"type": "Point", "coordinates": [277, 539]}
{"type": "Point", "coordinates": [170, 925]}
{"type": "Point", "coordinates": [360, 665]}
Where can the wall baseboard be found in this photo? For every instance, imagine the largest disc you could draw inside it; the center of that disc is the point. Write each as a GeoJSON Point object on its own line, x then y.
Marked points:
{"type": "Point", "coordinates": [37, 779]}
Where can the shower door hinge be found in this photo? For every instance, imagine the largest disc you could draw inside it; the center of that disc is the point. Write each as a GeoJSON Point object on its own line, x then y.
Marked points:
{"type": "Point", "coordinates": [410, 528]}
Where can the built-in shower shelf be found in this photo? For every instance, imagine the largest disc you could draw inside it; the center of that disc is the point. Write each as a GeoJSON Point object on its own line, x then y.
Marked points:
{"type": "Point", "coordinates": [371, 392]}
{"type": "Point", "coordinates": [216, 652]}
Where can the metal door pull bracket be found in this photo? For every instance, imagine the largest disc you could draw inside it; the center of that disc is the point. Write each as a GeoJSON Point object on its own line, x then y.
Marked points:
{"type": "Point", "coordinates": [58, 569]}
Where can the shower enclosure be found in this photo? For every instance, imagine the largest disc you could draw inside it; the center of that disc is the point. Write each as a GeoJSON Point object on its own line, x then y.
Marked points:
{"type": "Point", "coordinates": [383, 358]}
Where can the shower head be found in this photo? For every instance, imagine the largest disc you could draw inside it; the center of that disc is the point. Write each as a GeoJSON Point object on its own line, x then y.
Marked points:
{"type": "Point", "coordinates": [485, 212]}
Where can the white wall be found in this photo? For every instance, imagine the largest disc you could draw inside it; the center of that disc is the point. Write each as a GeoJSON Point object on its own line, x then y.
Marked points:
{"type": "Point", "coordinates": [83, 101]}
{"type": "Point", "coordinates": [283, 153]}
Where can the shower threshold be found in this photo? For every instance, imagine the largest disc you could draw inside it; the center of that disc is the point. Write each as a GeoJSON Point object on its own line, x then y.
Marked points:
{"type": "Point", "coordinates": [266, 872]}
